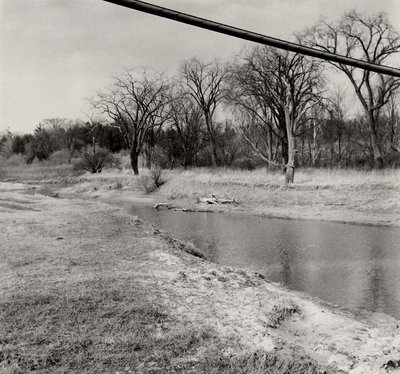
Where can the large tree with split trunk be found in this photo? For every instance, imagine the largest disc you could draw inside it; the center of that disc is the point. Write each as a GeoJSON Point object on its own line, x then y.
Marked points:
{"type": "Point", "coordinates": [275, 91]}
{"type": "Point", "coordinates": [370, 38]}
{"type": "Point", "coordinates": [136, 104]}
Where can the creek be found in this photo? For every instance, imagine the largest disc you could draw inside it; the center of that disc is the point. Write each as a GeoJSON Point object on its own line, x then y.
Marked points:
{"type": "Point", "coordinates": [354, 266]}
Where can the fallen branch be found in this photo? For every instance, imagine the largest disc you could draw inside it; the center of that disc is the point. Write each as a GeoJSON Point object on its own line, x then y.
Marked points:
{"type": "Point", "coordinates": [158, 205]}
{"type": "Point", "coordinates": [216, 200]}
{"type": "Point", "coordinates": [207, 200]}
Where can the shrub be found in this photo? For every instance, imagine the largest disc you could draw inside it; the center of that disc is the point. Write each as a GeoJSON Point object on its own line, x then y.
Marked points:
{"type": "Point", "coordinates": [96, 162]}
{"type": "Point", "coordinates": [150, 182]}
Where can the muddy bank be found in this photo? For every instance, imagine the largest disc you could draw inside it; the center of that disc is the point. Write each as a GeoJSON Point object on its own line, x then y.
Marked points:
{"type": "Point", "coordinates": [74, 273]}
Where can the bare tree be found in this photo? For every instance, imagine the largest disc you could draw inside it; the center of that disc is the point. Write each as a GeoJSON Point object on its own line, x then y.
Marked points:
{"type": "Point", "coordinates": [374, 40]}
{"type": "Point", "coordinates": [67, 133]}
{"type": "Point", "coordinates": [278, 90]}
{"type": "Point", "coordinates": [335, 128]}
{"type": "Point", "coordinates": [187, 119]}
{"type": "Point", "coordinates": [393, 124]}
{"type": "Point", "coordinates": [261, 121]}
{"type": "Point", "coordinates": [136, 104]}
{"type": "Point", "coordinates": [204, 82]}
{"type": "Point", "coordinates": [150, 142]}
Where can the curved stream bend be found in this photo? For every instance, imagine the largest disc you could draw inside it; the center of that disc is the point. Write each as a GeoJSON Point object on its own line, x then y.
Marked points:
{"type": "Point", "coordinates": [354, 266]}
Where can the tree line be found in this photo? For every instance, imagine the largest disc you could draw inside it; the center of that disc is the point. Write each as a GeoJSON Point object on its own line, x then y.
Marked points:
{"type": "Point", "coordinates": [268, 107]}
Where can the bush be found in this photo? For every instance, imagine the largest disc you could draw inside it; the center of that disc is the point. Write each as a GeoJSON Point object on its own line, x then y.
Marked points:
{"type": "Point", "coordinates": [150, 182]}
{"type": "Point", "coordinates": [96, 162]}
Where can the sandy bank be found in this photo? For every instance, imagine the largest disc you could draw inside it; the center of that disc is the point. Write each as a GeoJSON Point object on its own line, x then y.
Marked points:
{"type": "Point", "coordinates": [74, 272]}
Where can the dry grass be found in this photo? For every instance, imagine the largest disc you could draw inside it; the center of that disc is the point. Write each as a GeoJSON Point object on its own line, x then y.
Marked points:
{"type": "Point", "coordinates": [101, 328]}
{"type": "Point", "coordinates": [36, 172]}
{"type": "Point", "coordinates": [187, 182]}
{"type": "Point", "coordinates": [303, 177]}
{"type": "Point", "coordinates": [347, 195]}
{"type": "Point", "coordinates": [79, 294]}
{"type": "Point", "coordinates": [358, 191]}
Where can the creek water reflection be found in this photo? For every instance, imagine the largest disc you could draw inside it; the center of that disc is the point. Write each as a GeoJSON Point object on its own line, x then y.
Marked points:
{"type": "Point", "coordinates": [350, 265]}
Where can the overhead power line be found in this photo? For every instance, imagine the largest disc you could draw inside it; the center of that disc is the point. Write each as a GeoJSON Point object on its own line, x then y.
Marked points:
{"type": "Point", "coordinates": [252, 36]}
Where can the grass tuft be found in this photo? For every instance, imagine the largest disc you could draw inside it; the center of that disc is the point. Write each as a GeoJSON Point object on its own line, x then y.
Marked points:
{"type": "Point", "coordinates": [282, 311]}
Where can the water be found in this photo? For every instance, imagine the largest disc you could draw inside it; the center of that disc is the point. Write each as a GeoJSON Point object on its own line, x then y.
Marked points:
{"type": "Point", "coordinates": [350, 265]}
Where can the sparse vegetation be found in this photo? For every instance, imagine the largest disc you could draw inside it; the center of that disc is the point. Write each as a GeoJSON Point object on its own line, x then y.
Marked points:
{"type": "Point", "coordinates": [153, 180]}
{"type": "Point", "coordinates": [96, 161]}
{"type": "Point", "coordinates": [15, 170]}
{"type": "Point", "coordinates": [89, 307]}
{"type": "Point", "coordinates": [112, 294]}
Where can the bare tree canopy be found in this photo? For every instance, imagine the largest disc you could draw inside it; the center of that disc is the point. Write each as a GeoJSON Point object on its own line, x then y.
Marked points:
{"type": "Point", "coordinates": [187, 119]}
{"type": "Point", "coordinates": [371, 38]}
{"type": "Point", "coordinates": [68, 133]}
{"type": "Point", "coordinates": [276, 90]}
{"type": "Point", "coordinates": [135, 104]}
{"type": "Point", "coordinates": [204, 82]}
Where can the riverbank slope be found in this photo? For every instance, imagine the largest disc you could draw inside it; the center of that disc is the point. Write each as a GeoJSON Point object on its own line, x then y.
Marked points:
{"type": "Point", "coordinates": [87, 287]}
{"type": "Point", "coordinates": [349, 196]}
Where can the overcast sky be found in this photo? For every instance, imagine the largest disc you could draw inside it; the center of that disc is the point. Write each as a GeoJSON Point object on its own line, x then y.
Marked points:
{"type": "Point", "coordinates": [56, 53]}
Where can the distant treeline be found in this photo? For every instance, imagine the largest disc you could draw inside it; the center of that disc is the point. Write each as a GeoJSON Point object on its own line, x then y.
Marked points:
{"type": "Point", "coordinates": [334, 143]}
{"type": "Point", "coordinates": [268, 107]}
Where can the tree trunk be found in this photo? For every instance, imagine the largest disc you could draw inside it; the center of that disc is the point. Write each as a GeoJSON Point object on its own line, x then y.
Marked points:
{"type": "Point", "coordinates": [289, 176]}
{"type": "Point", "coordinates": [314, 147]}
{"type": "Point", "coordinates": [376, 146]}
{"type": "Point", "coordinates": [134, 162]}
{"type": "Point", "coordinates": [214, 156]}
{"type": "Point", "coordinates": [285, 154]}
{"type": "Point", "coordinates": [94, 145]}
{"type": "Point", "coordinates": [270, 150]}
{"type": "Point", "coordinates": [148, 162]}
{"type": "Point", "coordinates": [70, 154]}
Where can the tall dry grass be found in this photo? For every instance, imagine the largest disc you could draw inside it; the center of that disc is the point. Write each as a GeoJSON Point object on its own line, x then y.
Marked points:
{"type": "Point", "coordinates": [15, 168]}
{"type": "Point", "coordinates": [251, 185]}
{"type": "Point", "coordinates": [260, 177]}
{"type": "Point", "coordinates": [369, 191]}
{"type": "Point", "coordinates": [35, 173]}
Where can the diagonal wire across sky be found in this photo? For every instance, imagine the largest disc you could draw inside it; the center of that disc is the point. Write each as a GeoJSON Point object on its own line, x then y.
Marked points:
{"type": "Point", "coordinates": [252, 36]}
